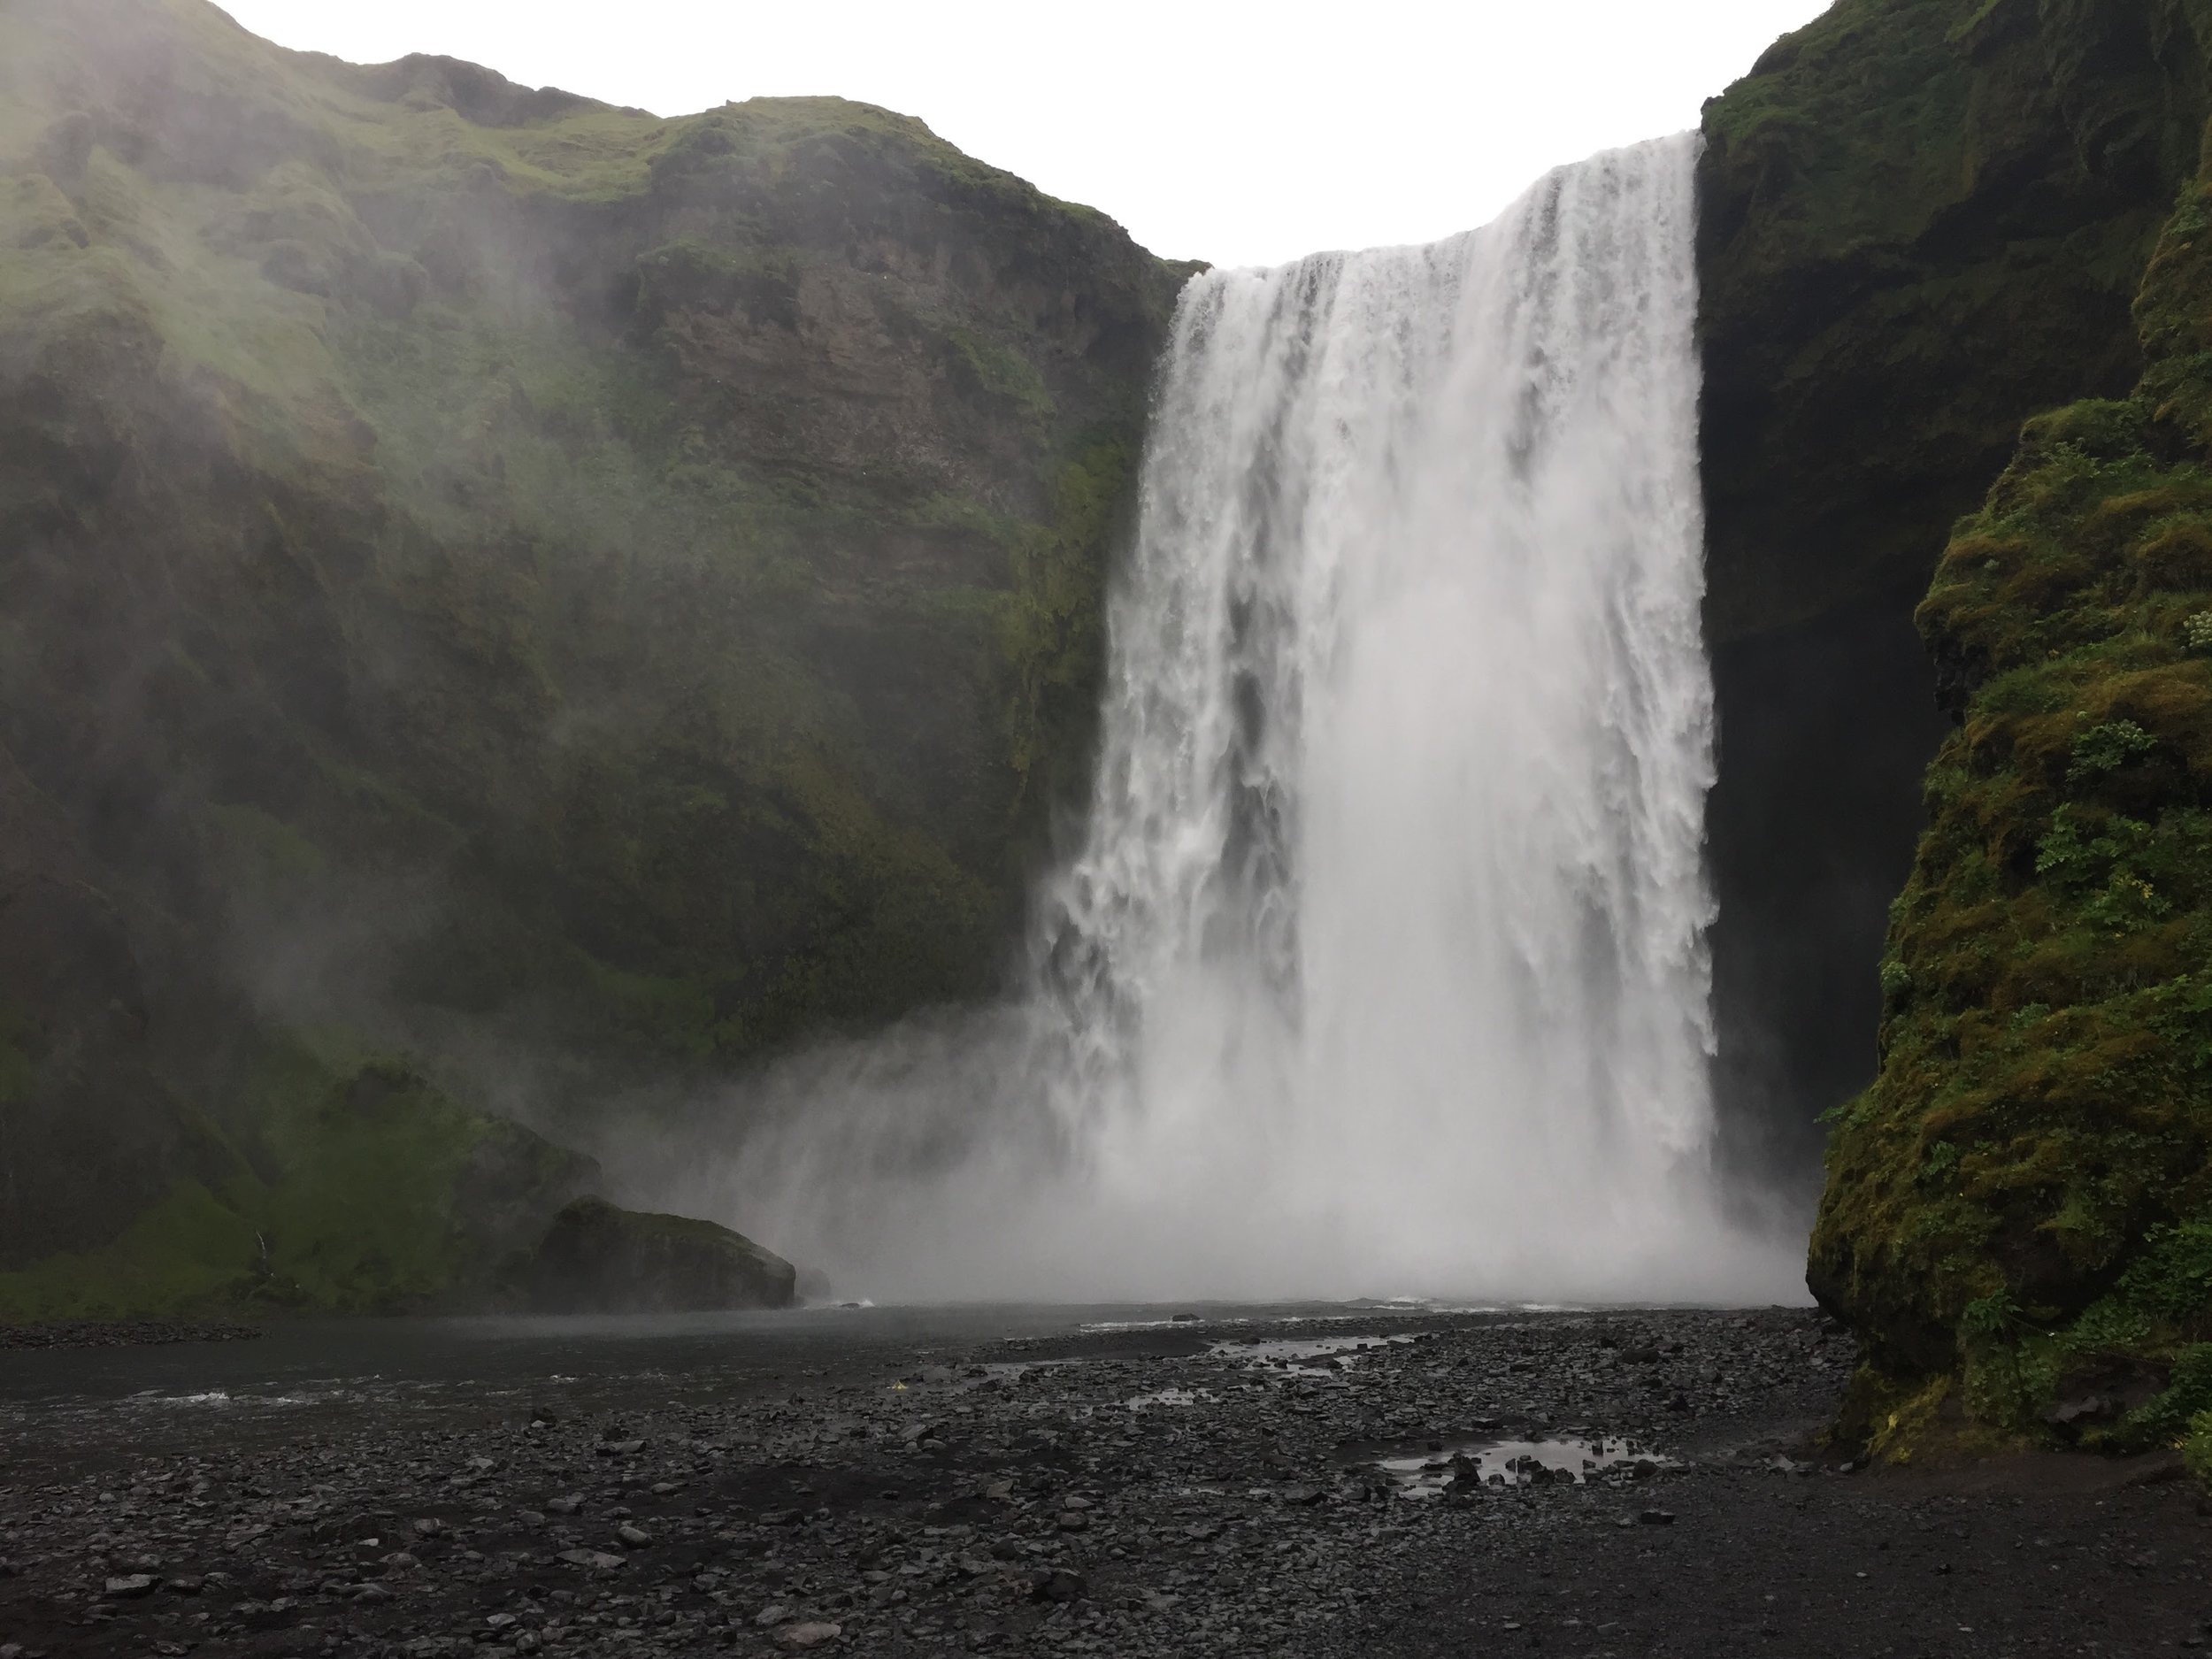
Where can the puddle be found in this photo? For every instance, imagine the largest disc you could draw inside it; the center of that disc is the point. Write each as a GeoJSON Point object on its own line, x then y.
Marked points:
{"type": "Point", "coordinates": [1498, 1464]}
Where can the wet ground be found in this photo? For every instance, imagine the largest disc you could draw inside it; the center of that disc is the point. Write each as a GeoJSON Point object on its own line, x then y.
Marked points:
{"type": "Point", "coordinates": [1298, 1481]}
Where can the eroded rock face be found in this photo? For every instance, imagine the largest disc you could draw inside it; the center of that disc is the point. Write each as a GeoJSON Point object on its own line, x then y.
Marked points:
{"type": "Point", "coordinates": [597, 1258]}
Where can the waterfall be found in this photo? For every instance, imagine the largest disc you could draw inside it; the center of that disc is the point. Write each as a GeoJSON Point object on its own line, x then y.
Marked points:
{"type": "Point", "coordinates": [1381, 968]}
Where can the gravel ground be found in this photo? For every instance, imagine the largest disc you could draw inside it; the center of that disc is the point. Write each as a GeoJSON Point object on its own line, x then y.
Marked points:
{"type": "Point", "coordinates": [1370, 1485]}
{"type": "Point", "coordinates": [121, 1333]}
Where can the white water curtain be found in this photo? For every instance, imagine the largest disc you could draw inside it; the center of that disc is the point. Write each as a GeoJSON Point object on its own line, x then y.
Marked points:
{"type": "Point", "coordinates": [1382, 968]}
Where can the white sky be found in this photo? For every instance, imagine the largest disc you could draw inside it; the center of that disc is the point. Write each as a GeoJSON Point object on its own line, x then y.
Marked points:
{"type": "Point", "coordinates": [1237, 131]}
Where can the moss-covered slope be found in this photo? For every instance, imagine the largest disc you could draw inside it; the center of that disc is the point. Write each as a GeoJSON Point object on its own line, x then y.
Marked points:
{"type": "Point", "coordinates": [499, 575]}
{"type": "Point", "coordinates": [335, 1182]}
{"type": "Point", "coordinates": [1922, 221]}
{"type": "Point", "coordinates": [2019, 1212]}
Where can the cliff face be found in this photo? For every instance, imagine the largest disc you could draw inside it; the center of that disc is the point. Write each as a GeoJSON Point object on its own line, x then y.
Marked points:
{"type": "Point", "coordinates": [1924, 222]}
{"type": "Point", "coordinates": [484, 572]}
{"type": "Point", "coordinates": [1921, 222]}
{"type": "Point", "coordinates": [2019, 1210]}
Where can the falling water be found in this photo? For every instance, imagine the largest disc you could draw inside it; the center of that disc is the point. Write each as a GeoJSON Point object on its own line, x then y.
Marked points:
{"type": "Point", "coordinates": [1382, 968]}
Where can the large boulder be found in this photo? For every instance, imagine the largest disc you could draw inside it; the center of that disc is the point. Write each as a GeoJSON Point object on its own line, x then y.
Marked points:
{"type": "Point", "coordinates": [597, 1258]}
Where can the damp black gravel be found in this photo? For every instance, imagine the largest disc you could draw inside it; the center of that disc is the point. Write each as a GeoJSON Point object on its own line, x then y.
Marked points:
{"type": "Point", "coordinates": [121, 1333]}
{"type": "Point", "coordinates": [1200, 1487]}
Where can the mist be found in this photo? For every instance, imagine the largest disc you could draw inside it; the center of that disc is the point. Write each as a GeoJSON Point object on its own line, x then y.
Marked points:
{"type": "Point", "coordinates": [628, 707]}
{"type": "Point", "coordinates": [1380, 969]}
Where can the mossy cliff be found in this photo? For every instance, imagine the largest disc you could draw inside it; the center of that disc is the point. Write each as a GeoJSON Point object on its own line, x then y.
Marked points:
{"type": "Point", "coordinates": [485, 574]}
{"type": "Point", "coordinates": [1922, 221]}
{"type": "Point", "coordinates": [2018, 1215]}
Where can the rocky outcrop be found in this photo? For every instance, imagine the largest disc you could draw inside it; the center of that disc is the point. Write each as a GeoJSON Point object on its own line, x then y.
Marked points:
{"type": "Point", "coordinates": [1921, 222]}
{"type": "Point", "coordinates": [569, 597]}
{"type": "Point", "coordinates": [2018, 1215]}
{"type": "Point", "coordinates": [597, 1258]}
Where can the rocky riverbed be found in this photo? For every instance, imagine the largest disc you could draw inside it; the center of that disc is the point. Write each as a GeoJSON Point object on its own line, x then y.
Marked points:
{"type": "Point", "coordinates": [1370, 1483]}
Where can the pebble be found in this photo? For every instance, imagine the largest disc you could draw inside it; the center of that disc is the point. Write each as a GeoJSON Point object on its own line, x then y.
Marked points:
{"type": "Point", "coordinates": [1007, 1498]}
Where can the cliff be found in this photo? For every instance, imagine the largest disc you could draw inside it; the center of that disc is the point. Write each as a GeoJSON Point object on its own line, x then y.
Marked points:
{"type": "Point", "coordinates": [1922, 221]}
{"type": "Point", "coordinates": [2019, 1210]}
{"type": "Point", "coordinates": [485, 575]}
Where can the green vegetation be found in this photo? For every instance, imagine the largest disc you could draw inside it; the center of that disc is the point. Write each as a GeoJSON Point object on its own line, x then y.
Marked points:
{"type": "Point", "coordinates": [1920, 221]}
{"type": "Point", "coordinates": [2197, 1450]}
{"type": "Point", "coordinates": [2019, 1210]}
{"type": "Point", "coordinates": [508, 576]}
{"type": "Point", "coordinates": [352, 1186]}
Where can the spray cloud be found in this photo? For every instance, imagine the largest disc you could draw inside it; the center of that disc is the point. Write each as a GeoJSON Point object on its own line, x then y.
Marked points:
{"type": "Point", "coordinates": [1382, 969]}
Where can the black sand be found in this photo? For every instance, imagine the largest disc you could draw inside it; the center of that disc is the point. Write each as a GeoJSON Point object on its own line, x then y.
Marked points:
{"type": "Point", "coordinates": [895, 1493]}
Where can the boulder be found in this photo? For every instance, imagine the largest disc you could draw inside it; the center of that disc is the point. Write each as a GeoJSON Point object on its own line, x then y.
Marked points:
{"type": "Point", "coordinates": [599, 1258]}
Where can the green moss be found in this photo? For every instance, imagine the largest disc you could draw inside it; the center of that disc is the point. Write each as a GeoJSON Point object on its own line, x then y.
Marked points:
{"type": "Point", "coordinates": [998, 371]}
{"type": "Point", "coordinates": [360, 1214]}
{"type": "Point", "coordinates": [1050, 632]}
{"type": "Point", "coordinates": [354, 1185]}
{"type": "Point", "coordinates": [2022, 1199]}
{"type": "Point", "coordinates": [667, 1014]}
{"type": "Point", "coordinates": [188, 1251]}
{"type": "Point", "coordinates": [1880, 306]}
{"type": "Point", "coordinates": [2197, 1449]}
{"type": "Point", "coordinates": [640, 576]}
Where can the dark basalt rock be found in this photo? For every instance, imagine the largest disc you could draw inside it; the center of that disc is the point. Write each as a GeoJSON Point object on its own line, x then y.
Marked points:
{"type": "Point", "coordinates": [597, 1258]}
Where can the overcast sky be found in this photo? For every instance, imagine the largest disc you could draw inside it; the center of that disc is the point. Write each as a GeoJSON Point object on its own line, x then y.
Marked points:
{"type": "Point", "coordinates": [1245, 133]}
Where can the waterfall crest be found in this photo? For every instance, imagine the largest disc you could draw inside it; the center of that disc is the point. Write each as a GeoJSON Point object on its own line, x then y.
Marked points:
{"type": "Point", "coordinates": [1381, 967]}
